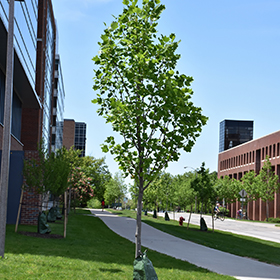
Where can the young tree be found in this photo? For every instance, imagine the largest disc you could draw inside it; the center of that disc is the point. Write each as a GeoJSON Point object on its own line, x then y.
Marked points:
{"type": "Point", "coordinates": [250, 185]}
{"type": "Point", "coordinates": [143, 96]}
{"type": "Point", "coordinates": [203, 186]}
{"type": "Point", "coordinates": [267, 184]}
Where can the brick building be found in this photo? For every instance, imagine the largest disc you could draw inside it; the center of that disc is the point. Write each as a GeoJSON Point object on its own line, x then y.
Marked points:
{"type": "Point", "coordinates": [250, 156]}
{"type": "Point", "coordinates": [74, 134]}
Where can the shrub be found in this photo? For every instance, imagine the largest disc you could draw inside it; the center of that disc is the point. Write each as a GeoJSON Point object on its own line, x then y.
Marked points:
{"type": "Point", "coordinates": [94, 203]}
{"type": "Point", "coordinates": [274, 220]}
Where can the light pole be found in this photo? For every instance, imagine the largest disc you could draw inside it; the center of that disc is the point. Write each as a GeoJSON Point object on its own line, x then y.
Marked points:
{"type": "Point", "coordinates": [6, 140]}
{"type": "Point", "coordinates": [195, 177]}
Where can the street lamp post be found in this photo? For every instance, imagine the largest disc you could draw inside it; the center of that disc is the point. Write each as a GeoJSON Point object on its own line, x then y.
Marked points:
{"type": "Point", "coordinates": [6, 140]}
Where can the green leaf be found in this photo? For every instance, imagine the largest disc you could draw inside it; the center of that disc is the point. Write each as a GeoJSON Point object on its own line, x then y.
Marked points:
{"type": "Point", "coordinates": [104, 37]}
{"type": "Point", "coordinates": [125, 2]}
{"type": "Point", "coordinates": [104, 148]}
{"type": "Point", "coordinates": [114, 25]}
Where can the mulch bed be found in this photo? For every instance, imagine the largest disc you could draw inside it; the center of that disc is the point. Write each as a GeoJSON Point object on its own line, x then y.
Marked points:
{"type": "Point", "coordinates": [36, 234]}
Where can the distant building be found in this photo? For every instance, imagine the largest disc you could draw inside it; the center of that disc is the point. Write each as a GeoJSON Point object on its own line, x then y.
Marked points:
{"type": "Point", "coordinates": [234, 133]}
{"type": "Point", "coordinates": [250, 156]}
{"type": "Point", "coordinates": [74, 134]}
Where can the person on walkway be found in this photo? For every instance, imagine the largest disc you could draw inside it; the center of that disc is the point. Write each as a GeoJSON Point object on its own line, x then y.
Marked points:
{"type": "Point", "coordinates": [102, 204]}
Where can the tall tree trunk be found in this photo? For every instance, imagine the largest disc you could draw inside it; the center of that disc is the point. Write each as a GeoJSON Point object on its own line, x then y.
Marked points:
{"type": "Point", "coordinates": [138, 223]}
{"type": "Point", "coordinates": [267, 210]}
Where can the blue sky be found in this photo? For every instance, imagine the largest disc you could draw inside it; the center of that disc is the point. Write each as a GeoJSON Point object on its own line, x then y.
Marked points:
{"type": "Point", "coordinates": [230, 48]}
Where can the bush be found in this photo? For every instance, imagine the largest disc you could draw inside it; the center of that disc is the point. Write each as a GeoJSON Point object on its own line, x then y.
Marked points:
{"type": "Point", "coordinates": [274, 220]}
{"type": "Point", "coordinates": [94, 203]}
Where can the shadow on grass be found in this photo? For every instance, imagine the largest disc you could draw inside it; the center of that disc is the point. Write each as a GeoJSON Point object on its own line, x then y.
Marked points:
{"type": "Point", "coordinates": [265, 251]}
{"type": "Point", "coordinates": [110, 270]}
{"type": "Point", "coordinates": [88, 239]}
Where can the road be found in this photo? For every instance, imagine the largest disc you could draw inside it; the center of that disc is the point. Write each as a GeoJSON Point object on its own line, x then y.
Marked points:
{"type": "Point", "coordinates": [259, 230]}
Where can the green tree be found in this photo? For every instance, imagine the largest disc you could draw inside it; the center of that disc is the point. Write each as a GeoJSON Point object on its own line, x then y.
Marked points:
{"type": "Point", "coordinates": [166, 189]}
{"type": "Point", "coordinates": [250, 185]}
{"type": "Point", "coordinates": [227, 189]}
{"type": "Point", "coordinates": [98, 171]}
{"type": "Point", "coordinates": [184, 194]}
{"type": "Point", "coordinates": [57, 172]}
{"type": "Point", "coordinates": [115, 189]}
{"type": "Point", "coordinates": [143, 96]}
{"type": "Point", "coordinates": [50, 172]}
{"type": "Point", "coordinates": [204, 186]}
{"type": "Point", "coordinates": [268, 184]}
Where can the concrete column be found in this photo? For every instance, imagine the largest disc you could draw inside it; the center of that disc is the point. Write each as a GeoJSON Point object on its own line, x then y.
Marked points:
{"type": "Point", "coordinates": [6, 141]}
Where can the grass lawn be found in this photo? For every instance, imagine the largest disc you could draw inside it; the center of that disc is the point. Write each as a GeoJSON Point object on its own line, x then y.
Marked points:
{"type": "Point", "coordinates": [258, 249]}
{"type": "Point", "coordinates": [90, 251]}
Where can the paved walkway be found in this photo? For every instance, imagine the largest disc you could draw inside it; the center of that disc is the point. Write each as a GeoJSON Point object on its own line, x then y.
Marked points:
{"type": "Point", "coordinates": [211, 259]}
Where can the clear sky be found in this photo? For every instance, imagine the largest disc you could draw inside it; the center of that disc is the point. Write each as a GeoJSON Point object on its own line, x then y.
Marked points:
{"type": "Point", "coordinates": [230, 48]}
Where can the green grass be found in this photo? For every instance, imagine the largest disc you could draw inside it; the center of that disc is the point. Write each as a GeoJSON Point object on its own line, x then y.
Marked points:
{"type": "Point", "coordinates": [90, 251]}
{"type": "Point", "coordinates": [265, 251]}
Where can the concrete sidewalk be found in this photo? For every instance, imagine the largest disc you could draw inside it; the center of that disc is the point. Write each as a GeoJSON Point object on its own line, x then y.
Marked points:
{"type": "Point", "coordinates": [211, 259]}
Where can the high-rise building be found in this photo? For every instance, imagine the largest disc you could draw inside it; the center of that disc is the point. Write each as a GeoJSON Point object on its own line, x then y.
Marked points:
{"type": "Point", "coordinates": [234, 133]}
{"type": "Point", "coordinates": [74, 135]}
{"type": "Point", "coordinates": [80, 137]}
{"type": "Point", "coordinates": [37, 109]}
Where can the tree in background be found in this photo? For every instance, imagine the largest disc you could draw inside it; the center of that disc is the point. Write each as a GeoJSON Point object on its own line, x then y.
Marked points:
{"type": "Point", "coordinates": [99, 173]}
{"type": "Point", "coordinates": [143, 96]}
{"type": "Point", "coordinates": [82, 186]}
{"type": "Point", "coordinates": [184, 195]}
{"type": "Point", "coordinates": [267, 184]}
{"type": "Point", "coordinates": [203, 185]}
{"type": "Point", "coordinates": [115, 189]}
{"type": "Point", "coordinates": [166, 189]}
{"type": "Point", "coordinates": [227, 189]}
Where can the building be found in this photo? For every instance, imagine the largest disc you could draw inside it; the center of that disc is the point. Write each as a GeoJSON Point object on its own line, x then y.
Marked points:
{"type": "Point", "coordinates": [234, 132]}
{"type": "Point", "coordinates": [250, 156]}
{"type": "Point", "coordinates": [57, 107]}
{"type": "Point", "coordinates": [74, 135]}
{"type": "Point", "coordinates": [37, 110]}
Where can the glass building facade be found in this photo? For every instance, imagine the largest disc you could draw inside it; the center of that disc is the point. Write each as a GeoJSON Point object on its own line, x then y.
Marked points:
{"type": "Point", "coordinates": [48, 77]}
{"type": "Point", "coordinates": [25, 33]}
{"type": "Point", "coordinates": [234, 133]}
{"type": "Point", "coordinates": [80, 137]}
{"type": "Point", "coordinates": [58, 107]}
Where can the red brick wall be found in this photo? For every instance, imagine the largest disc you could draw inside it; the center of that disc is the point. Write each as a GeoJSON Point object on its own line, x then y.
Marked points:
{"type": "Point", "coordinates": [236, 161]}
{"type": "Point", "coordinates": [68, 134]}
{"type": "Point", "coordinates": [31, 202]}
{"type": "Point", "coordinates": [30, 128]}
